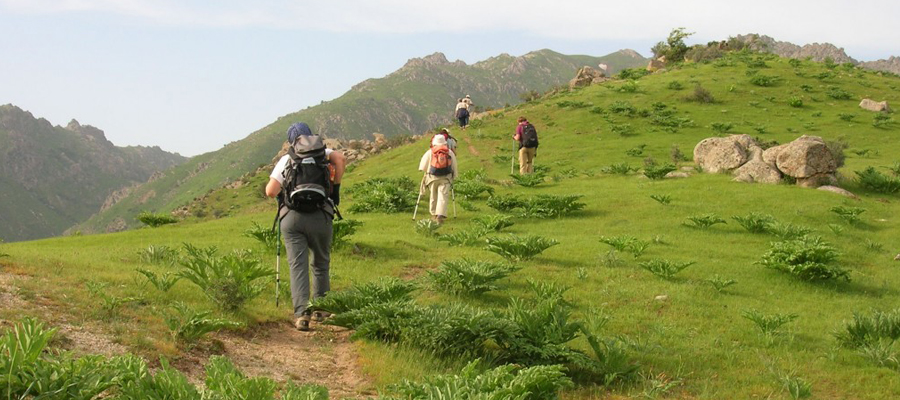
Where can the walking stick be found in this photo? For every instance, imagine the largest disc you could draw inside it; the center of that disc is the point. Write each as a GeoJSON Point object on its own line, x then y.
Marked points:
{"type": "Point", "coordinates": [418, 199]}
{"type": "Point", "coordinates": [512, 161]}
{"type": "Point", "coordinates": [278, 268]}
{"type": "Point", "coordinates": [453, 196]}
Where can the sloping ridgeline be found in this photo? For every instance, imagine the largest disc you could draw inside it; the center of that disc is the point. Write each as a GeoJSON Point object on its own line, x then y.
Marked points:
{"type": "Point", "coordinates": [52, 177]}
{"type": "Point", "coordinates": [417, 97]}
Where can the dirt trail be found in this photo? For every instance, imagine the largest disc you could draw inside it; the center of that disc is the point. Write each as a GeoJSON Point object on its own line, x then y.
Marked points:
{"type": "Point", "coordinates": [324, 356]}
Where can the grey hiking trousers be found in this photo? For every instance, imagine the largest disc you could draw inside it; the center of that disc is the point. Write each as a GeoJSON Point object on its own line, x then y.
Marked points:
{"type": "Point", "coordinates": [304, 233]}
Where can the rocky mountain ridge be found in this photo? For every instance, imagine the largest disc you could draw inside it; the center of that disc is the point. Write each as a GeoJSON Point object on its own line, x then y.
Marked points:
{"type": "Point", "coordinates": [816, 52]}
{"type": "Point", "coordinates": [52, 177]}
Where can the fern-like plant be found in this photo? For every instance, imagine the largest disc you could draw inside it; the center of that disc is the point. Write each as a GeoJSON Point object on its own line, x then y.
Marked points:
{"type": "Point", "coordinates": [719, 283]}
{"type": "Point", "coordinates": [618, 169]}
{"type": "Point", "coordinates": [788, 231]}
{"type": "Point", "coordinates": [504, 382]}
{"type": "Point", "coordinates": [468, 276]}
{"type": "Point", "coordinates": [162, 282]}
{"type": "Point", "coordinates": [160, 255]}
{"type": "Point", "coordinates": [471, 189]}
{"type": "Point", "coordinates": [518, 248]}
{"type": "Point", "coordinates": [343, 229]}
{"type": "Point", "coordinates": [657, 172]}
{"type": "Point", "coordinates": [768, 324]}
{"type": "Point", "coordinates": [551, 206]}
{"type": "Point", "coordinates": [494, 222]}
{"type": "Point", "coordinates": [188, 326]}
{"type": "Point", "coordinates": [229, 281]}
{"type": "Point", "coordinates": [663, 199]}
{"type": "Point", "coordinates": [268, 237]}
{"type": "Point", "coordinates": [155, 220]}
{"type": "Point", "coordinates": [664, 268]}
{"type": "Point", "coordinates": [505, 203]}
{"type": "Point", "coordinates": [808, 258]}
{"type": "Point", "coordinates": [427, 227]}
{"type": "Point", "coordinates": [387, 195]}
{"type": "Point", "coordinates": [867, 329]}
{"type": "Point", "coordinates": [850, 215]}
{"type": "Point", "coordinates": [875, 181]}
{"type": "Point", "coordinates": [704, 221]}
{"type": "Point", "coordinates": [755, 222]}
{"type": "Point", "coordinates": [528, 180]}
{"type": "Point", "coordinates": [467, 237]}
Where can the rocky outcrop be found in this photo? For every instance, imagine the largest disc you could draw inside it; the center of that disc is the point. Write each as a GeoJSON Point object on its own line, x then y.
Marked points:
{"type": "Point", "coordinates": [807, 160]}
{"type": "Point", "coordinates": [872, 105]}
{"type": "Point", "coordinates": [890, 65]}
{"type": "Point", "coordinates": [816, 51]}
{"type": "Point", "coordinates": [656, 65]}
{"type": "Point", "coordinates": [586, 76]}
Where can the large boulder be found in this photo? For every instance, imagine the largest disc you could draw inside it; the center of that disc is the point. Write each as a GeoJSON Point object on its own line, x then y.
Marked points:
{"type": "Point", "coordinates": [586, 76]}
{"type": "Point", "coordinates": [756, 169]}
{"type": "Point", "coordinates": [806, 157]}
{"type": "Point", "coordinates": [718, 154]}
{"type": "Point", "coordinates": [872, 105]}
{"type": "Point", "coordinates": [656, 65]}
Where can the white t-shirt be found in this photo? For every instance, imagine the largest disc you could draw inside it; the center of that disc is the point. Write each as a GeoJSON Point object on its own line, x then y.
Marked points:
{"type": "Point", "coordinates": [278, 172]}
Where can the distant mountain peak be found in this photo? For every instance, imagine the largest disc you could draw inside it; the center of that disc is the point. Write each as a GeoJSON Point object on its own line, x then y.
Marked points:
{"type": "Point", "coordinates": [92, 133]}
{"type": "Point", "coordinates": [815, 51]}
{"type": "Point", "coordinates": [434, 59]}
{"type": "Point", "coordinates": [630, 53]}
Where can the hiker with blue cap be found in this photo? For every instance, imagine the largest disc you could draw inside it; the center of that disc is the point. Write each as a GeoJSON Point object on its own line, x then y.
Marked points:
{"type": "Point", "coordinates": [307, 183]}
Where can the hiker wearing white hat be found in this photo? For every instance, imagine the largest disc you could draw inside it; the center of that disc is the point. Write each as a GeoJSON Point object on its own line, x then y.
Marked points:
{"type": "Point", "coordinates": [439, 165]}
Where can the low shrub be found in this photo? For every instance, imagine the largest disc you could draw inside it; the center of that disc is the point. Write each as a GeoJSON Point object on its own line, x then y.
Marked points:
{"type": "Point", "coordinates": [657, 172]}
{"type": "Point", "coordinates": [620, 169]}
{"type": "Point", "coordinates": [632, 73]}
{"type": "Point", "coordinates": [229, 281]}
{"type": "Point", "coordinates": [381, 291]}
{"type": "Point", "coordinates": [503, 382]}
{"type": "Point", "coordinates": [764, 80]}
{"type": "Point", "coordinates": [664, 268]}
{"type": "Point", "coordinates": [719, 283]}
{"type": "Point", "coordinates": [622, 107]}
{"type": "Point", "coordinates": [159, 255]}
{"type": "Point", "coordinates": [188, 326]}
{"type": "Point", "coordinates": [850, 215]}
{"type": "Point", "coordinates": [155, 220]}
{"type": "Point", "coordinates": [551, 206]}
{"type": "Point", "coordinates": [427, 227]}
{"type": "Point", "coordinates": [267, 236]}
{"type": "Point", "coordinates": [788, 231]}
{"type": "Point", "coordinates": [528, 180]}
{"type": "Point", "coordinates": [768, 324]}
{"type": "Point", "coordinates": [722, 127]}
{"type": "Point", "coordinates": [468, 276]}
{"type": "Point", "coordinates": [505, 203]}
{"type": "Point", "coordinates": [704, 221]}
{"type": "Point", "coordinates": [343, 229]}
{"type": "Point", "coordinates": [700, 95]}
{"type": "Point", "coordinates": [636, 151]}
{"type": "Point", "coordinates": [675, 85]}
{"type": "Point", "coordinates": [388, 195]}
{"type": "Point", "coordinates": [518, 248]}
{"type": "Point", "coordinates": [467, 237]}
{"type": "Point", "coordinates": [795, 102]}
{"type": "Point", "coordinates": [838, 93]}
{"type": "Point", "coordinates": [868, 329]}
{"type": "Point", "coordinates": [755, 222]}
{"type": "Point", "coordinates": [472, 189]}
{"type": "Point", "coordinates": [162, 282]}
{"type": "Point", "coordinates": [494, 222]}
{"type": "Point", "coordinates": [808, 258]}
{"type": "Point", "coordinates": [875, 181]}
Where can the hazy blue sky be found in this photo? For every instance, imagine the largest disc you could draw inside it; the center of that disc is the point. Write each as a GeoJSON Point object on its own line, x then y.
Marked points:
{"type": "Point", "coordinates": [191, 76]}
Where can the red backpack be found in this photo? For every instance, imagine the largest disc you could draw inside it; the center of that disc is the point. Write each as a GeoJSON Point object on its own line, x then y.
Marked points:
{"type": "Point", "coordinates": [440, 161]}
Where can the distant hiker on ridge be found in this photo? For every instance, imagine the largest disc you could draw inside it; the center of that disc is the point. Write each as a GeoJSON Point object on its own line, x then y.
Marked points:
{"type": "Point", "coordinates": [462, 113]}
{"type": "Point", "coordinates": [468, 101]}
{"type": "Point", "coordinates": [526, 135]}
{"type": "Point", "coordinates": [439, 165]}
{"type": "Point", "coordinates": [307, 182]}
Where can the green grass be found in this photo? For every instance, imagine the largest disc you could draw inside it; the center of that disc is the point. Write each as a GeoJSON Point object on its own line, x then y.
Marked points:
{"type": "Point", "coordinates": [697, 334]}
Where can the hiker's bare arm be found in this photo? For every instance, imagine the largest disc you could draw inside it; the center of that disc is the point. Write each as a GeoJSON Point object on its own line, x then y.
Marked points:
{"type": "Point", "coordinates": [273, 187]}
{"type": "Point", "coordinates": [337, 159]}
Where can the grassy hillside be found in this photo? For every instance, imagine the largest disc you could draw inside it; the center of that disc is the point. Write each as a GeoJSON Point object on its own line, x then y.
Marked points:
{"type": "Point", "coordinates": [53, 177]}
{"type": "Point", "coordinates": [416, 98]}
{"type": "Point", "coordinates": [690, 340]}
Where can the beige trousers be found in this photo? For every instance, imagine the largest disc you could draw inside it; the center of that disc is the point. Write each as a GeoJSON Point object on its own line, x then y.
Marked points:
{"type": "Point", "coordinates": [439, 190]}
{"type": "Point", "coordinates": [526, 160]}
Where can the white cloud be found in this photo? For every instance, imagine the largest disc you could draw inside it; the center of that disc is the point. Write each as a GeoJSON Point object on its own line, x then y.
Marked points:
{"type": "Point", "coordinates": [844, 23]}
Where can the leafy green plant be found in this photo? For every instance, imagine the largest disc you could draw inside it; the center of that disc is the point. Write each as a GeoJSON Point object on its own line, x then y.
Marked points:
{"type": "Point", "coordinates": [229, 281]}
{"type": "Point", "coordinates": [622, 107]}
{"type": "Point", "coordinates": [357, 297]}
{"type": "Point", "coordinates": [755, 222]}
{"type": "Point", "coordinates": [764, 80]}
{"type": "Point", "coordinates": [466, 237]}
{"type": "Point", "coordinates": [881, 120]}
{"type": "Point", "coordinates": [700, 95]}
{"type": "Point", "coordinates": [620, 169]}
{"type": "Point", "coordinates": [388, 195]}
{"type": "Point", "coordinates": [704, 221]}
{"type": "Point", "coordinates": [674, 85]}
{"type": "Point", "coordinates": [636, 151]}
{"type": "Point", "coordinates": [873, 246]}
{"type": "Point", "coordinates": [505, 203]}
{"type": "Point", "coordinates": [768, 324]}
{"type": "Point", "coordinates": [796, 386]}
{"type": "Point", "coordinates": [155, 220]}
{"type": "Point", "coordinates": [427, 227]}
{"type": "Point", "coordinates": [721, 127]}
{"type": "Point", "coordinates": [109, 304]}
{"type": "Point", "coordinates": [808, 258]}
{"type": "Point", "coordinates": [850, 215]}
{"type": "Point", "coordinates": [620, 243]}
{"type": "Point", "coordinates": [188, 326]}
{"type": "Point", "coordinates": [224, 379]}
{"type": "Point", "coordinates": [472, 189]}
{"type": "Point", "coordinates": [838, 93]}
{"type": "Point", "coordinates": [719, 283]}
{"type": "Point", "coordinates": [468, 276]}
{"type": "Point", "coordinates": [342, 229]}
{"type": "Point", "coordinates": [267, 236]}
{"type": "Point", "coordinates": [664, 268]}
{"type": "Point", "coordinates": [663, 199]}
{"type": "Point", "coordinates": [494, 222]}
{"type": "Point", "coordinates": [867, 329]}
{"type": "Point", "coordinates": [162, 282]}
{"type": "Point", "coordinates": [160, 255]}
{"type": "Point", "coordinates": [657, 172]}
{"type": "Point", "coordinates": [623, 130]}
{"type": "Point", "coordinates": [551, 206]}
{"type": "Point", "coordinates": [503, 382]}
{"type": "Point", "coordinates": [846, 117]}
{"type": "Point", "coordinates": [518, 248]}
{"type": "Point", "coordinates": [875, 181]}
{"type": "Point", "coordinates": [528, 180]}
{"type": "Point", "coordinates": [836, 229]}
{"type": "Point", "coordinates": [610, 259]}
{"type": "Point", "coordinates": [788, 231]}
{"type": "Point", "coordinates": [795, 102]}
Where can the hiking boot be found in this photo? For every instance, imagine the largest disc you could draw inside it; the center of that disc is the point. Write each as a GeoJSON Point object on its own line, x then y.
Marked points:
{"type": "Point", "coordinates": [320, 316]}
{"type": "Point", "coordinates": [440, 218]}
{"type": "Point", "coordinates": [302, 322]}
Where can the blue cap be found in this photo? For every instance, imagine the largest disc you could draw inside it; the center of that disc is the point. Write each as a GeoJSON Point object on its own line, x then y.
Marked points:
{"type": "Point", "coordinates": [297, 129]}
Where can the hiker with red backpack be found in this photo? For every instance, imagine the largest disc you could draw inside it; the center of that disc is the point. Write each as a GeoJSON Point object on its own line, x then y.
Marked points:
{"type": "Point", "coordinates": [526, 135]}
{"type": "Point", "coordinates": [439, 165]}
{"type": "Point", "coordinates": [307, 183]}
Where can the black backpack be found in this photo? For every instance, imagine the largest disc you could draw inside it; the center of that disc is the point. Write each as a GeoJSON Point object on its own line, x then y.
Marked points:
{"type": "Point", "coordinates": [529, 137]}
{"type": "Point", "coordinates": [307, 178]}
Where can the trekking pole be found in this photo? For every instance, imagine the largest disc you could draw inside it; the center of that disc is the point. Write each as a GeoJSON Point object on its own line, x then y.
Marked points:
{"type": "Point", "coordinates": [453, 196]}
{"type": "Point", "coordinates": [418, 199]}
{"type": "Point", "coordinates": [277, 267]}
{"type": "Point", "coordinates": [512, 161]}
